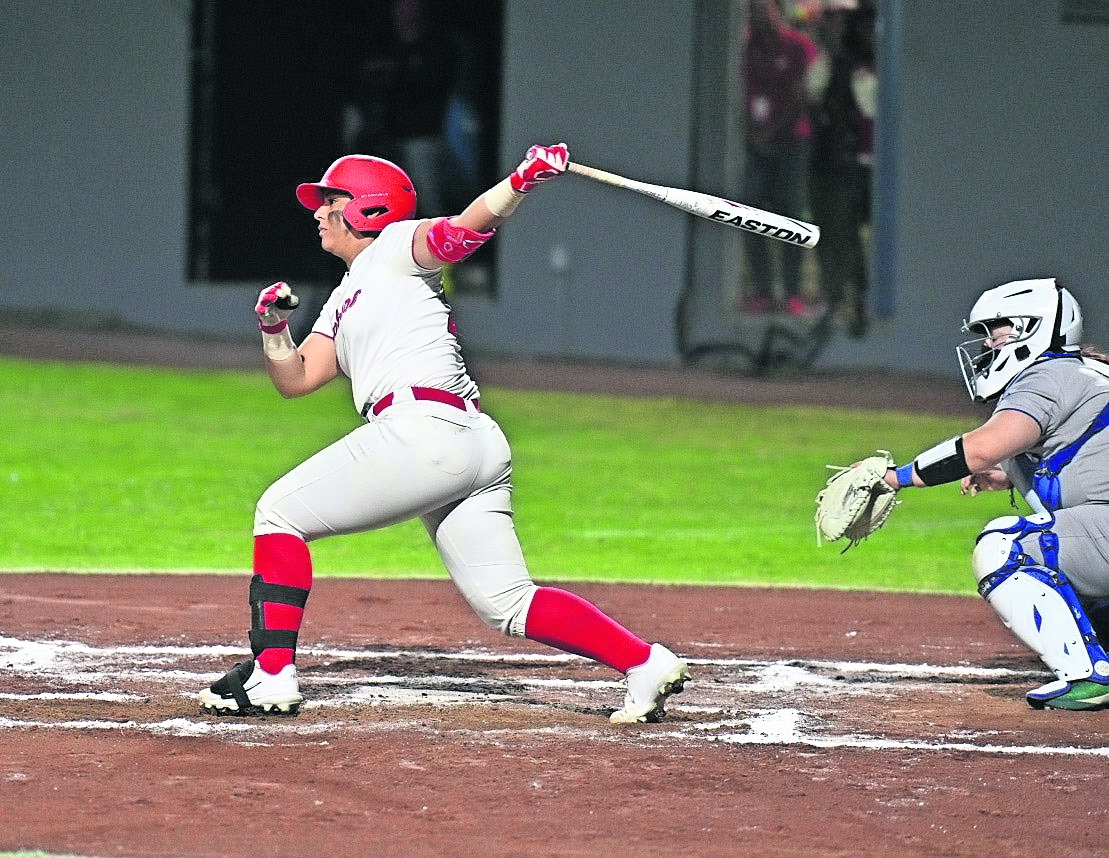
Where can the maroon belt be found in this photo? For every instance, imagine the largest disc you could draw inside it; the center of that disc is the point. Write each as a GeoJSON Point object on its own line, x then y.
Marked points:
{"type": "Point", "coordinates": [430, 394]}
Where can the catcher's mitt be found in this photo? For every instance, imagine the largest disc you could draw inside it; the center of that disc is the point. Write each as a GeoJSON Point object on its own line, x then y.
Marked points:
{"type": "Point", "coordinates": [856, 501]}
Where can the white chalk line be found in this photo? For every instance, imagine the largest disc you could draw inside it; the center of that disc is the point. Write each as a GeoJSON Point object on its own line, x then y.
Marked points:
{"type": "Point", "coordinates": [723, 719]}
{"type": "Point", "coordinates": [781, 727]}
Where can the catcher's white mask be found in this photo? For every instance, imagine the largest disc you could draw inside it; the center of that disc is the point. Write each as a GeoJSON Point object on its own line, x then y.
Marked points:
{"type": "Point", "coordinates": [1015, 325]}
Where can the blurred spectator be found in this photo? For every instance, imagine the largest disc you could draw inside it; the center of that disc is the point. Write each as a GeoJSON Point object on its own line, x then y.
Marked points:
{"type": "Point", "coordinates": [399, 96]}
{"type": "Point", "coordinates": [842, 88]}
{"type": "Point", "coordinates": [776, 59]}
{"type": "Point", "coordinates": [805, 16]}
{"type": "Point", "coordinates": [466, 135]}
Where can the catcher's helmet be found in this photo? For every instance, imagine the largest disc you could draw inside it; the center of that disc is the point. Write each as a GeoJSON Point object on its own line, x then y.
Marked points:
{"type": "Point", "coordinates": [1044, 317]}
{"type": "Point", "coordinates": [382, 191]}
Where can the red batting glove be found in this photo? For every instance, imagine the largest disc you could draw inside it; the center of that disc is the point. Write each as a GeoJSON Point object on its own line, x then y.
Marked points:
{"type": "Point", "coordinates": [275, 304]}
{"type": "Point", "coordinates": [541, 164]}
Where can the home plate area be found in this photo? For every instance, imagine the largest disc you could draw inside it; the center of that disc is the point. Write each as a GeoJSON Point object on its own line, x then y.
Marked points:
{"type": "Point", "coordinates": [816, 723]}
{"type": "Point", "coordinates": [829, 704]}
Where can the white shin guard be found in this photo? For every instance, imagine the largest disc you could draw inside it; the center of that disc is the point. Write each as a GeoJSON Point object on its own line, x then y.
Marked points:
{"type": "Point", "coordinates": [1037, 604]}
{"type": "Point", "coordinates": [1037, 613]}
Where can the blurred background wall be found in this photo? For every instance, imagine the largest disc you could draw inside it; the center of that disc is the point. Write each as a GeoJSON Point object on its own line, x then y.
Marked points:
{"type": "Point", "coordinates": [992, 166]}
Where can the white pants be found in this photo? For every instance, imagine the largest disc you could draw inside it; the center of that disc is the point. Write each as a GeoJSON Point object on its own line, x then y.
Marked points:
{"type": "Point", "coordinates": [452, 469]}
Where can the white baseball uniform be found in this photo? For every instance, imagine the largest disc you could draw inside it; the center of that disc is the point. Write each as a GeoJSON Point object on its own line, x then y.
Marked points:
{"type": "Point", "coordinates": [439, 459]}
{"type": "Point", "coordinates": [426, 451]}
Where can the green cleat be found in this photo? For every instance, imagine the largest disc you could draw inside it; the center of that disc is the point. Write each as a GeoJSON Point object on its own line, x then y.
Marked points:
{"type": "Point", "coordinates": [1079, 694]}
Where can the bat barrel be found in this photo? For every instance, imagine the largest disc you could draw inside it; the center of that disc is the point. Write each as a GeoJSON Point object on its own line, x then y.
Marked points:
{"type": "Point", "coordinates": [716, 209]}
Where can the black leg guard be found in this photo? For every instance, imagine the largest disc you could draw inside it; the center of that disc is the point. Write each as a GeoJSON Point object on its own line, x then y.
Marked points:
{"type": "Point", "coordinates": [260, 592]}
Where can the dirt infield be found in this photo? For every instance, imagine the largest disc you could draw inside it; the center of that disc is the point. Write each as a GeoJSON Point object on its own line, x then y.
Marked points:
{"type": "Point", "coordinates": [817, 723]}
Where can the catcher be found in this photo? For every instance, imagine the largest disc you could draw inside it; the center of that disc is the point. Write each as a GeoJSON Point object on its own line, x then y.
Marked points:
{"type": "Point", "coordinates": [1045, 574]}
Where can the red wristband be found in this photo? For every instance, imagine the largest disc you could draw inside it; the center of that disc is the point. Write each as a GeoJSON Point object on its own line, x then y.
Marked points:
{"type": "Point", "coordinates": [273, 329]}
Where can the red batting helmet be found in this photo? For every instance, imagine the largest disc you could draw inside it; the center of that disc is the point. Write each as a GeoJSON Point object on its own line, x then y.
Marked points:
{"type": "Point", "coordinates": [382, 191]}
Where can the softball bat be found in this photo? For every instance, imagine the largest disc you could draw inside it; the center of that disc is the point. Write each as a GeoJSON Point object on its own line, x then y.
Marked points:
{"type": "Point", "coordinates": [716, 209]}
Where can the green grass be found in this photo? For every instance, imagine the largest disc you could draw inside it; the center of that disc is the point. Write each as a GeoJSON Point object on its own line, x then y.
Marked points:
{"type": "Point", "coordinates": [125, 468]}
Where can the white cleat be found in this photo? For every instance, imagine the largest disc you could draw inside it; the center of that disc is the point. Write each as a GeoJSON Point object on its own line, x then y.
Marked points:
{"type": "Point", "coordinates": [649, 684]}
{"type": "Point", "coordinates": [246, 689]}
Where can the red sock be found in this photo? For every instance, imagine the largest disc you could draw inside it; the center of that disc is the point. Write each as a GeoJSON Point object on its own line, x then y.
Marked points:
{"type": "Point", "coordinates": [281, 558]}
{"type": "Point", "coordinates": [572, 624]}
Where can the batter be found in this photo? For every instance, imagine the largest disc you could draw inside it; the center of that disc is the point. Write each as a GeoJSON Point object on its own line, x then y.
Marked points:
{"type": "Point", "coordinates": [426, 449]}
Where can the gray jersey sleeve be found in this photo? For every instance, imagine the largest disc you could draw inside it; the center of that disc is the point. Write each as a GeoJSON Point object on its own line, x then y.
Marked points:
{"type": "Point", "coordinates": [1064, 396]}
